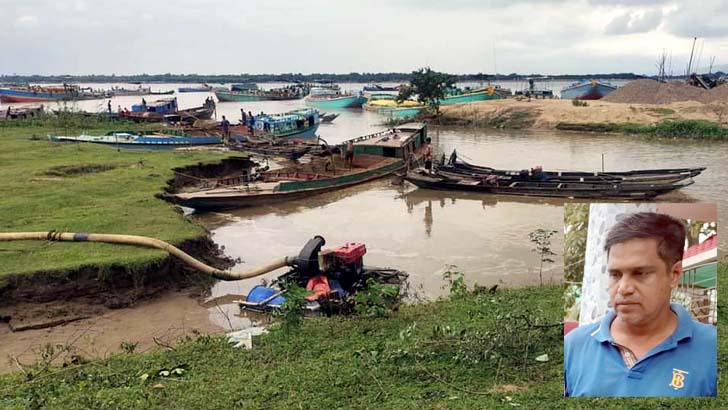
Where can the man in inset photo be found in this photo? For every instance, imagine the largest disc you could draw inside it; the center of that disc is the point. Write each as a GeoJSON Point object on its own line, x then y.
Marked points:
{"type": "Point", "coordinates": [644, 345]}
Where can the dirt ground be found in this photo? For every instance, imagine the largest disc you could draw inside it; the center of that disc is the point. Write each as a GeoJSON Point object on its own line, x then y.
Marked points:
{"type": "Point", "coordinates": [150, 324]}
{"type": "Point", "coordinates": [546, 114]}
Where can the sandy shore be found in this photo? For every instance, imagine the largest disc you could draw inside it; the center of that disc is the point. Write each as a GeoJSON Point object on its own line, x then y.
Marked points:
{"type": "Point", "coordinates": [547, 114]}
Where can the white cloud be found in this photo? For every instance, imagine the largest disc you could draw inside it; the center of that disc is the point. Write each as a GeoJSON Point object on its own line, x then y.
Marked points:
{"type": "Point", "coordinates": [629, 22]}
{"type": "Point", "coordinates": [26, 21]}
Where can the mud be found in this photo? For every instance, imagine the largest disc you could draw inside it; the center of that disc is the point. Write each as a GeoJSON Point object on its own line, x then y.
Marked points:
{"type": "Point", "coordinates": [157, 323]}
{"type": "Point", "coordinates": [76, 170]}
{"type": "Point", "coordinates": [196, 175]}
{"type": "Point", "coordinates": [45, 299]}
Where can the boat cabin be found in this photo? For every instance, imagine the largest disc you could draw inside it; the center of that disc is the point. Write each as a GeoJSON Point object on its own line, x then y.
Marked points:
{"type": "Point", "coordinates": [289, 121]}
{"type": "Point", "coordinates": [163, 106]}
{"type": "Point", "coordinates": [397, 142]}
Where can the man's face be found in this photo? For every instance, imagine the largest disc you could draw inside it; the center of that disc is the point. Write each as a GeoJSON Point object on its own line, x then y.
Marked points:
{"type": "Point", "coordinates": [640, 283]}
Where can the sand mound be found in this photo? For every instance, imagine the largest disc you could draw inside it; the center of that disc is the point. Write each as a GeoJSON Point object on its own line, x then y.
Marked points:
{"type": "Point", "coordinates": [717, 94]}
{"type": "Point", "coordinates": [647, 91]}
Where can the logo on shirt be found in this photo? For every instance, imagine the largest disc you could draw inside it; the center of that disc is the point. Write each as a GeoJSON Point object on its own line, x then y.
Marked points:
{"type": "Point", "coordinates": [678, 379]}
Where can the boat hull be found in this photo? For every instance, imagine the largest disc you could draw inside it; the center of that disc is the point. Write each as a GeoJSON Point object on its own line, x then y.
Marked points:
{"type": "Point", "coordinates": [552, 190]}
{"type": "Point", "coordinates": [287, 190]}
{"type": "Point", "coordinates": [226, 96]}
{"type": "Point", "coordinates": [591, 91]}
{"type": "Point", "coordinates": [352, 101]}
{"type": "Point", "coordinates": [20, 96]}
{"type": "Point", "coordinates": [470, 98]}
{"type": "Point", "coordinates": [130, 141]}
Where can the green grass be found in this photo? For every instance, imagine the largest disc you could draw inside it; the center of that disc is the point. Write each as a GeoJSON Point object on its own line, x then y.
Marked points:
{"type": "Point", "coordinates": [36, 196]}
{"type": "Point", "coordinates": [469, 351]}
{"type": "Point", "coordinates": [695, 129]}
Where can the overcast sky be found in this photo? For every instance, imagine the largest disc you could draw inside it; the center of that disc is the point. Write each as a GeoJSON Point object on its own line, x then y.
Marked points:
{"type": "Point", "coordinates": [341, 36]}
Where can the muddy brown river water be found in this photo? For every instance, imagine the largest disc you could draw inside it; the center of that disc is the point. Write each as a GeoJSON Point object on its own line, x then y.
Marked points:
{"type": "Point", "coordinates": [419, 231]}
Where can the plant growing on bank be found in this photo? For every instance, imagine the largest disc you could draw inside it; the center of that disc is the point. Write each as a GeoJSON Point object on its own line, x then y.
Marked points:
{"type": "Point", "coordinates": [429, 86]}
{"type": "Point", "coordinates": [542, 239]}
{"type": "Point", "coordinates": [376, 300]}
{"type": "Point", "coordinates": [292, 310]}
{"type": "Point", "coordinates": [579, 103]}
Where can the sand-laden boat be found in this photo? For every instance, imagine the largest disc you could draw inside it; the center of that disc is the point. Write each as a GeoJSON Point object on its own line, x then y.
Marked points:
{"type": "Point", "coordinates": [333, 98]}
{"type": "Point", "coordinates": [456, 165]}
{"type": "Point", "coordinates": [166, 109]}
{"type": "Point", "coordinates": [375, 156]}
{"type": "Point", "coordinates": [494, 184]}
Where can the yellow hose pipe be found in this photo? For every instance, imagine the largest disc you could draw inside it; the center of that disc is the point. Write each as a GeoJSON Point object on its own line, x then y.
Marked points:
{"type": "Point", "coordinates": [149, 243]}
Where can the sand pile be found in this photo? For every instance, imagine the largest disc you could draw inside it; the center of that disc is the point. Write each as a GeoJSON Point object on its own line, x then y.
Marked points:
{"type": "Point", "coordinates": [717, 94]}
{"type": "Point", "coordinates": [654, 92]}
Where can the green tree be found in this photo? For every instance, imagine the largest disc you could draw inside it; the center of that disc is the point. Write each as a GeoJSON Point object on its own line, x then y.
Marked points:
{"type": "Point", "coordinates": [542, 239]}
{"type": "Point", "coordinates": [576, 221]}
{"type": "Point", "coordinates": [429, 86]}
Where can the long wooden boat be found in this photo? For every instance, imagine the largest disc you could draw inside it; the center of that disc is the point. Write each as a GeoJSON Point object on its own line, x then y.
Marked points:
{"type": "Point", "coordinates": [456, 165]}
{"type": "Point", "coordinates": [167, 109]}
{"type": "Point", "coordinates": [291, 92]}
{"type": "Point", "coordinates": [465, 96]}
{"type": "Point", "coordinates": [494, 185]}
{"type": "Point", "coordinates": [292, 126]}
{"type": "Point", "coordinates": [200, 89]}
{"type": "Point", "coordinates": [130, 140]}
{"type": "Point", "coordinates": [375, 156]}
{"type": "Point", "coordinates": [37, 93]}
{"type": "Point", "coordinates": [333, 98]}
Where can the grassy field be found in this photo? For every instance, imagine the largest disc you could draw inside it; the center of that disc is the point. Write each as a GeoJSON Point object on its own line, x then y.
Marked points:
{"type": "Point", "coordinates": [694, 129]}
{"type": "Point", "coordinates": [84, 188]}
{"type": "Point", "coordinates": [470, 351]}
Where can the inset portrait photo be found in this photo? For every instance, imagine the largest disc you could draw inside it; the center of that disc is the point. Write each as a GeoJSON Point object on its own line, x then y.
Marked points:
{"type": "Point", "coordinates": [640, 300]}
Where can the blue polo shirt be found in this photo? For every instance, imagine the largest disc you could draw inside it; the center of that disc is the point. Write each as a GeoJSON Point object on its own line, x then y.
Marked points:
{"type": "Point", "coordinates": [685, 364]}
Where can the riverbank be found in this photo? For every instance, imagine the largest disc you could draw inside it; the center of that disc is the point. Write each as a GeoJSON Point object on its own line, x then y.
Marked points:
{"type": "Point", "coordinates": [95, 189]}
{"type": "Point", "coordinates": [598, 116]}
{"type": "Point", "coordinates": [483, 349]}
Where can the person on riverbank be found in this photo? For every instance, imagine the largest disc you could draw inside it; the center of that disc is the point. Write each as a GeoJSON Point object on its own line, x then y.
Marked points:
{"type": "Point", "coordinates": [225, 124]}
{"type": "Point", "coordinates": [428, 155]}
{"type": "Point", "coordinates": [243, 117]}
{"type": "Point", "coordinates": [108, 105]}
{"type": "Point", "coordinates": [645, 345]}
{"type": "Point", "coordinates": [349, 157]}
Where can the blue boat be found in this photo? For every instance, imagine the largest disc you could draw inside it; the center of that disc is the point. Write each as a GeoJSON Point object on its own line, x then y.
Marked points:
{"type": "Point", "coordinates": [333, 98]}
{"type": "Point", "coordinates": [587, 90]}
{"type": "Point", "coordinates": [129, 140]}
{"type": "Point", "coordinates": [292, 125]}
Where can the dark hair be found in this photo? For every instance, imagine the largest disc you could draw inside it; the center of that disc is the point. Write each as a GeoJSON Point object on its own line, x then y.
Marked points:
{"type": "Point", "coordinates": [668, 231]}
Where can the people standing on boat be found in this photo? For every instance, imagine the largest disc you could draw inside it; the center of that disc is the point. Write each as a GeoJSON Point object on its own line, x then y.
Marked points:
{"type": "Point", "coordinates": [144, 104]}
{"type": "Point", "coordinates": [252, 123]}
{"type": "Point", "coordinates": [349, 158]}
{"type": "Point", "coordinates": [428, 155]}
{"type": "Point", "coordinates": [118, 109]}
{"type": "Point", "coordinates": [243, 115]}
{"type": "Point", "coordinates": [225, 130]}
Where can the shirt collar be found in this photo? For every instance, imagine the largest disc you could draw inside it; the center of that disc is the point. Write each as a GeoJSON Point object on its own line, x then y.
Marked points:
{"type": "Point", "coordinates": [684, 328]}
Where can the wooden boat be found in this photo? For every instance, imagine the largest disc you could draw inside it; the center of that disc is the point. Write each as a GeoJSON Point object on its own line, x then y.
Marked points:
{"type": "Point", "coordinates": [21, 112]}
{"type": "Point", "coordinates": [459, 166]}
{"type": "Point", "coordinates": [139, 140]}
{"type": "Point", "coordinates": [292, 126]}
{"type": "Point", "coordinates": [495, 185]}
{"type": "Point", "coordinates": [387, 104]}
{"type": "Point", "coordinates": [291, 92]}
{"type": "Point", "coordinates": [587, 90]}
{"type": "Point", "coordinates": [458, 96]}
{"type": "Point", "coordinates": [327, 118]}
{"type": "Point", "coordinates": [375, 156]}
{"type": "Point", "coordinates": [288, 151]}
{"type": "Point", "coordinates": [37, 93]}
{"type": "Point", "coordinates": [201, 89]}
{"type": "Point", "coordinates": [333, 98]}
{"type": "Point", "coordinates": [167, 109]}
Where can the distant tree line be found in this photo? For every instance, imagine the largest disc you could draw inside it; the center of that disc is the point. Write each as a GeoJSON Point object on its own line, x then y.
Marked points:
{"type": "Point", "coordinates": [292, 77]}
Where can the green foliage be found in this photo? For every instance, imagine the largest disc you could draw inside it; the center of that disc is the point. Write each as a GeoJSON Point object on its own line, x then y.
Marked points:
{"type": "Point", "coordinates": [477, 352]}
{"type": "Point", "coordinates": [429, 86]}
{"type": "Point", "coordinates": [542, 240]}
{"type": "Point", "coordinates": [376, 300]}
{"type": "Point", "coordinates": [292, 310]}
{"type": "Point", "coordinates": [668, 128]}
{"type": "Point", "coordinates": [455, 281]}
{"type": "Point", "coordinates": [579, 103]}
{"type": "Point", "coordinates": [576, 225]}
{"type": "Point", "coordinates": [128, 347]}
